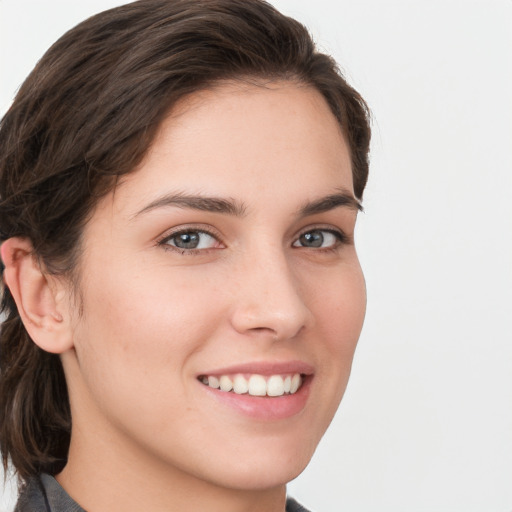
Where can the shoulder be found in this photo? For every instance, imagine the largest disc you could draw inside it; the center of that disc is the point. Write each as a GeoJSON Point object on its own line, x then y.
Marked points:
{"type": "Point", "coordinates": [294, 506]}
{"type": "Point", "coordinates": [44, 494]}
{"type": "Point", "coordinates": [32, 497]}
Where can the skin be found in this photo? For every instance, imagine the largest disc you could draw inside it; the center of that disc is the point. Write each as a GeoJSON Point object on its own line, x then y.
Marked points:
{"type": "Point", "coordinates": [145, 432]}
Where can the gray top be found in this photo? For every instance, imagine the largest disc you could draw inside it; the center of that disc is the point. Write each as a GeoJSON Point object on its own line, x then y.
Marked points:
{"type": "Point", "coordinates": [44, 494]}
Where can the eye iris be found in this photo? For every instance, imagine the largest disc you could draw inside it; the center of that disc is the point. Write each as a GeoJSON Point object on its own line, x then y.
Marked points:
{"type": "Point", "coordinates": [312, 239]}
{"type": "Point", "coordinates": [187, 240]}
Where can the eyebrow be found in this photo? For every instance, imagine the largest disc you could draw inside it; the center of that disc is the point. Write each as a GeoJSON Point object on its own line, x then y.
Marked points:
{"type": "Point", "coordinates": [325, 204]}
{"type": "Point", "coordinates": [238, 209]}
{"type": "Point", "coordinates": [203, 203]}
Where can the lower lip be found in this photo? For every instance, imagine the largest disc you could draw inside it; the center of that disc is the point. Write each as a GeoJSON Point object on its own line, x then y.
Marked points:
{"type": "Point", "coordinates": [264, 408]}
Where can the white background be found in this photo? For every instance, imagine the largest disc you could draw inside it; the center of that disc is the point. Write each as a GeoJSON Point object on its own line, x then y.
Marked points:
{"type": "Point", "coordinates": [426, 423]}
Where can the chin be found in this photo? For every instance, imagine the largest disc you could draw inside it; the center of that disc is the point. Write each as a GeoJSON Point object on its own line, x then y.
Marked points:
{"type": "Point", "coordinates": [266, 463]}
{"type": "Point", "coordinates": [255, 477]}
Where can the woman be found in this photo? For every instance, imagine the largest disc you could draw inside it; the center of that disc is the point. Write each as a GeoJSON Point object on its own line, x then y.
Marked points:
{"type": "Point", "coordinates": [179, 185]}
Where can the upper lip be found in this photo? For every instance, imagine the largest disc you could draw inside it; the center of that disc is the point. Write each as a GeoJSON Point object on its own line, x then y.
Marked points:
{"type": "Point", "coordinates": [265, 368]}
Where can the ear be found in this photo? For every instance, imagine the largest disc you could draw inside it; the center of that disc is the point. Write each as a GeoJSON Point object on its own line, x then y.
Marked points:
{"type": "Point", "coordinates": [40, 297]}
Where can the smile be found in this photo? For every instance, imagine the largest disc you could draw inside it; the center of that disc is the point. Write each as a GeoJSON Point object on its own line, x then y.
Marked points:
{"type": "Point", "coordinates": [255, 384]}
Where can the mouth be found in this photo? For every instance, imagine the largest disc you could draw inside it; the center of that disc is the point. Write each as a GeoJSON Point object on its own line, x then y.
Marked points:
{"type": "Point", "coordinates": [255, 384]}
{"type": "Point", "coordinates": [261, 391]}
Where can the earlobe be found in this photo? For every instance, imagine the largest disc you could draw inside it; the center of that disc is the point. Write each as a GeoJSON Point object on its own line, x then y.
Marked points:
{"type": "Point", "coordinates": [37, 297]}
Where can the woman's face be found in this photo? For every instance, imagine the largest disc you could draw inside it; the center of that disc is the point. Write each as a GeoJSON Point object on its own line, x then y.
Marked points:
{"type": "Point", "coordinates": [226, 259]}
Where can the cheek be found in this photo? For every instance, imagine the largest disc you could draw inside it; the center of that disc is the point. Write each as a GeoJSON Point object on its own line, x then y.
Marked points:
{"type": "Point", "coordinates": [134, 345]}
{"type": "Point", "coordinates": [142, 327]}
{"type": "Point", "coordinates": [339, 308]}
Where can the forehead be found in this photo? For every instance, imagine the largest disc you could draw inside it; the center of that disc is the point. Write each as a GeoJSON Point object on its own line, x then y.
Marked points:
{"type": "Point", "coordinates": [244, 141]}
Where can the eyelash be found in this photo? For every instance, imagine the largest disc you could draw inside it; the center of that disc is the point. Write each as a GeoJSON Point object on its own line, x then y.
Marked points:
{"type": "Point", "coordinates": [189, 229]}
{"type": "Point", "coordinates": [341, 237]}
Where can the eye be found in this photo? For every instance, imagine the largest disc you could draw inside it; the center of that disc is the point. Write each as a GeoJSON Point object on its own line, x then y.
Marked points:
{"type": "Point", "coordinates": [319, 238]}
{"type": "Point", "coordinates": [191, 239]}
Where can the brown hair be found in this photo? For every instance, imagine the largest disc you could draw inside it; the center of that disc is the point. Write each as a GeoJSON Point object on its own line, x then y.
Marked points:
{"type": "Point", "coordinates": [86, 115]}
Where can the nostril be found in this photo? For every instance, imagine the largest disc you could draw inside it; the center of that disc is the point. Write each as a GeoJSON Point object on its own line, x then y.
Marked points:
{"type": "Point", "coordinates": [263, 330]}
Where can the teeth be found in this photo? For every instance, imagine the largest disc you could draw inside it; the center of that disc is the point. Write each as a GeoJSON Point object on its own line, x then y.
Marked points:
{"type": "Point", "coordinates": [296, 381]}
{"type": "Point", "coordinates": [226, 384]}
{"type": "Point", "coordinates": [275, 386]}
{"type": "Point", "coordinates": [287, 384]}
{"type": "Point", "coordinates": [213, 382]}
{"type": "Point", "coordinates": [256, 385]}
{"type": "Point", "coordinates": [240, 385]}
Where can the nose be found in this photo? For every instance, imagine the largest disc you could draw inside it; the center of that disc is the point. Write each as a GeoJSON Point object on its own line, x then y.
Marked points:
{"type": "Point", "coordinates": [268, 299]}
